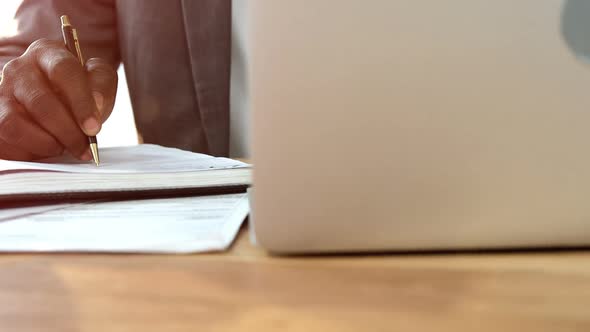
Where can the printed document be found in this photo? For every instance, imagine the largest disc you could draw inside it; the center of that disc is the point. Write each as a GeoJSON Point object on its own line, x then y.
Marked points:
{"type": "Point", "coordinates": [169, 225]}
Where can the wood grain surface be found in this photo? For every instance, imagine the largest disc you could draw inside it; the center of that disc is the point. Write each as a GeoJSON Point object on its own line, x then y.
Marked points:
{"type": "Point", "coordinates": [248, 290]}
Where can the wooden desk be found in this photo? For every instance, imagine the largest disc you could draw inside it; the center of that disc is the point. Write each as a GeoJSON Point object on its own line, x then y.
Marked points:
{"type": "Point", "coordinates": [246, 290]}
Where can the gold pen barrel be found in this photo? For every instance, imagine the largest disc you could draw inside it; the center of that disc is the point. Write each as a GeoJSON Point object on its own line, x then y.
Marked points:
{"type": "Point", "coordinates": [72, 43]}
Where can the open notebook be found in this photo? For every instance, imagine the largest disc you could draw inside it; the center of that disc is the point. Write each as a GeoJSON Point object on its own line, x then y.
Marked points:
{"type": "Point", "coordinates": [125, 172]}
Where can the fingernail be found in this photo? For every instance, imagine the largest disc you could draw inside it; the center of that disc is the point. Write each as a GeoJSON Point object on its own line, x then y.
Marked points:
{"type": "Point", "coordinates": [99, 100]}
{"type": "Point", "coordinates": [91, 126]}
{"type": "Point", "coordinates": [87, 156]}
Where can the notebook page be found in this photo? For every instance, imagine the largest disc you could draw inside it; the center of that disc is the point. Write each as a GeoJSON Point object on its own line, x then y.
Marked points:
{"type": "Point", "coordinates": [144, 158]}
{"type": "Point", "coordinates": [59, 182]}
{"type": "Point", "coordinates": [173, 225]}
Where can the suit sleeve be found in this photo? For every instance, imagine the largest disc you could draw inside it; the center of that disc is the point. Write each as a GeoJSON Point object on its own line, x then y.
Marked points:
{"type": "Point", "coordinates": [95, 20]}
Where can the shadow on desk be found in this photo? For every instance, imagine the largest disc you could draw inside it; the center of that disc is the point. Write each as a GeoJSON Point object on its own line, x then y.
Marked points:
{"type": "Point", "coordinates": [446, 252]}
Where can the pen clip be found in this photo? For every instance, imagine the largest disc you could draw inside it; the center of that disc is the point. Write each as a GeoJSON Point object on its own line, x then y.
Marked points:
{"type": "Point", "coordinates": [77, 45]}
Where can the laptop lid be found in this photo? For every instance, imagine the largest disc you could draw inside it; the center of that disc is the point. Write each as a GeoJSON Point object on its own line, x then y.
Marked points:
{"type": "Point", "coordinates": [412, 125]}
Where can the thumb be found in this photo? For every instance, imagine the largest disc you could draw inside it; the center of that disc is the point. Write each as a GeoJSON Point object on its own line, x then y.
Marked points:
{"type": "Point", "coordinates": [103, 85]}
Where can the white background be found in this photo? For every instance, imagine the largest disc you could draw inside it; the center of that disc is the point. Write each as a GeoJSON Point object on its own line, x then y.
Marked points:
{"type": "Point", "coordinates": [120, 128]}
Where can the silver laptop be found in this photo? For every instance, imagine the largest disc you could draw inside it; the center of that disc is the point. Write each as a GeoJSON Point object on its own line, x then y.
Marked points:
{"type": "Point", "coordinates": [420, 125]}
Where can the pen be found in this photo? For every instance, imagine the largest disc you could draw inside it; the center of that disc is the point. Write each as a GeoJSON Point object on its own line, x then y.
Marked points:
{"type": "Point", "coordinates": [73, 45]}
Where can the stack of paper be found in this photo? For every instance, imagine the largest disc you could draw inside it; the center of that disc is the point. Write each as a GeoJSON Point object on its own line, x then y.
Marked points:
{"type": "Point", "coordinates": [157, 225]}
{"type": "Point", "coordinates": [170, 225]}
{"type": "Point", "coordinates": [140, 170]}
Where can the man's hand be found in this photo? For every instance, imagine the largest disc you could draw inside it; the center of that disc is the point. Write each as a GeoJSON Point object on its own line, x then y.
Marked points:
{"type": "Point", "coordinates": [50, 103]}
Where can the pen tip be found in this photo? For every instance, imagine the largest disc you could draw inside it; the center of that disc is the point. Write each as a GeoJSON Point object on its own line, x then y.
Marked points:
{"type": "Point", "coordinates": [94, 150]}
